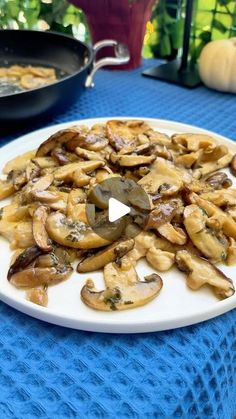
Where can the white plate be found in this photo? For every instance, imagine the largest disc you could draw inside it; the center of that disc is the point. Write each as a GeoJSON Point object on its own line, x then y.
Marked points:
{"type": "Point", "coordinates": [176, 305]}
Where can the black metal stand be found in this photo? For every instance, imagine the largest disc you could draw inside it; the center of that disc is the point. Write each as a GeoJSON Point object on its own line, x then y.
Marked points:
{"type": "Point", "coordinates": [178, 71]}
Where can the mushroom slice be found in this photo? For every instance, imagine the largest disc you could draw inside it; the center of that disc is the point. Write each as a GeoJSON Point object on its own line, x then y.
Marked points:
{"type": "Point", "coordinates": [123, 290]}
{"type": "Point", "coordinates": [163, 177]}
{"type": "Point", "coordinates": [74, 234]}
{"type": "Point", "coordinates": [44, 162]}
{"type": "Point", "coordinates": [124, 133]}
{"type": "Point", "coordinates": [193, 142]}
{"type": "Point", "coordinates": [218, 180]}
{"type": "Point", "coordinates": [60, 137]}
{"type": "Point", "coordinates": [93, 140]}
{"type": "Point", "coordinates": [6, 188]}
{"type": "Point", "coordinates": [19, 162]}
{"type": "Point", "coordinates": [188, 160]}
{"type": "Point", "coordinates": [38, 185]}
{"type": "Point", "coordinates": [105, 256]}
{"type": "Point", "coordinates": [173, 234]}
{"type": "Point", "coordinates": [227, 223]}
{"type": "Point", "coordinates": [36, 276]}
{"type": "Point", "coordinates": [158, 138]}
{"type": "Point", "coordinates": [204, 238]}
{"type": "Point", "coordinates": [221, 197]}
{"type": "Point", "coordinates": [24, 259]}
{"type": "Point", "coordinates": [39, 232]}
{"type": "Point", "coordinates": [163, 213]}
{"type": "Point", "coordinates": [66, 172]}
{"type": "Point", "coordinates": [200, 272]}
{"type": "Point", "coordinates": [60, 156]}
{"type": "Point", "coordinates": [212, 166]}
{"type": "Point", "coordinates": [38, 296]}
{"type": "Point", "coordinates": [231, 256]}
{"type": "Point", "coordinates": [131, 160]}
{"type": "Point", "coordinates": [32, 171]}
{"type": "Point", "coordinates": [88, 155]}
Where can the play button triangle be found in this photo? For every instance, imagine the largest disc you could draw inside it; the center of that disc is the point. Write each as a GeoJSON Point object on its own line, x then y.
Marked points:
{"type": "Point", "coordinates": [116, 209]}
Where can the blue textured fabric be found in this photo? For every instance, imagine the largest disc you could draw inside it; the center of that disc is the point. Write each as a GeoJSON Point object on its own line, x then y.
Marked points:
{"type": "Point", "coordinates": [48, 371]}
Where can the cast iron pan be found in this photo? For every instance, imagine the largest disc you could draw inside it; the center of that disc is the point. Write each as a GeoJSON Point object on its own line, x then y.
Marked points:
{"type": "Point", "coordinates": [73, 60]}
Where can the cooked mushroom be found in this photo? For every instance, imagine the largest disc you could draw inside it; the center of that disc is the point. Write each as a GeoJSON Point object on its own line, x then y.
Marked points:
{"type": "Point", "coordinates": [218, 180]}
{"type": "Point", "coordinates": [131, 160]}
{"type": "Point", "coordinates": [193, 142]}
{"type": "Point", "coordinates": [109, 254]}
{"type": "Point", "coordinates": [221, 197]}
{"type": "Point", "coordinates": [200, 272]}
{"type": "Point", "coordinates": [173, 234]}
{"type": "Point", "coordinates": [6, 188]}
{"type": "Point", "coordinates": [205, 239]}
{"type": "Point", "coordinates": [231, 255]}
{"type": "Point", "coordinates": [74, 234]}
{"type": "Point", "coordinates": [60, 137]}
{"type": "Point", "coordinates": [36, 276]}
{"type": "Point", "coordinates": [19, 162]}
{"type": "Point", "coordinates": [88, 155]}
{"type": "Point", "coordinates": [66, 173]}
{"type": "Point", "coordinates": [92, 140]}
{"type": "Point", "coordinates": [163, 177]}
{"type": "Point", "coordinates": [39, 184]}
{"type": "Point", "coordinates": [233, 165]}
{"type": "Point", "coordinates": [38, 296]}
{"type": "Point", "coordinates": [188, 160]}
{"type": "Point", "coordinates": [18, 178]}
{"type": "Point", "coordinates": [123, 290]}
{"type": "Point", "coordinates": [226, 221]}
{"type": "Point", "coordinates": [44, 162]}
{"type": "Point", "coordinates": [124, 133]}
{"type": "Point", "coordinates": [212, 166]}
{"type": "Point", "coordinates": [23, 260]}
{"type": "Point", "coordinates": [39, 231]}
{"type": "Point", "coordinates": [163, 213]}
{"type": "Point", "coordinates": [60, 156]}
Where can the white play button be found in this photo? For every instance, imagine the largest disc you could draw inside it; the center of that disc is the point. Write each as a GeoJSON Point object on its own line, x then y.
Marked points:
{"type": "Point", "coordinates": [116, 210]}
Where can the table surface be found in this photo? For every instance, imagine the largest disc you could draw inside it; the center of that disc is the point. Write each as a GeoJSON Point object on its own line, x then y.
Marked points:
{"type": "Point", "coordinates": [48, 371]}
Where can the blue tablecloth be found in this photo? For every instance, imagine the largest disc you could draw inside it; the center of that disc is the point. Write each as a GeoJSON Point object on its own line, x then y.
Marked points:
{"type": "Point", "coordinates": [48, 371]}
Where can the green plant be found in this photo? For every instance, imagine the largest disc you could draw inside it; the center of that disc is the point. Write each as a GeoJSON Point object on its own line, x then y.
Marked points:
{"type": "Point", "coordinates": [56, 15]}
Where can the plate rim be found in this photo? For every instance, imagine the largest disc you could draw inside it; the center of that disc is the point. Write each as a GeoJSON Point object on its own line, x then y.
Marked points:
{"type": "Point", "coordinates": [117, 326]}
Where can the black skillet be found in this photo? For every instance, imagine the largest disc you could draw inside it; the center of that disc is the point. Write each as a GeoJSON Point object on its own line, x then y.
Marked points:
{"type": "Point", "coordinates": [73, 60]}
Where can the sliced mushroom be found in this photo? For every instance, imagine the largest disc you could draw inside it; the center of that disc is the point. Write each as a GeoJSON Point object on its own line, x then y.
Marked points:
{"type": "Point", "coordinates": [212, 166]}
{"type": "Point", "coordinates": [39, 231]}
{"type": "Point", "coordinates": [44, 162]}
{"type": "Point", "coordinates": [40, 184]}
{"type": "Point", "coordinates": [193, 142]}
{"type": "Point", "coordinates": [158, 138]}
{"type": "Point", "coordinates": [66, 173]}
{"type": "Point", "coordinates": [123, 290]}
{"type": "Point", "coordinates": [59, 138]}
{"type": "Point", "coordinates": [92, 140]}
{"type": "Point", "coordinates": [38, 296]}
{"type": "Point", "coordinates": [32, 171]}
{"type": "Point", "coordinates": [124, 133]}
{"type": "Point", "coordinates": [218, 180]}
{"type": "Point", "coordinates": [188, 160]}
{"type": "Point", "coordinates": [19, 162]}
{"type": "Point", "coordinates": [129, 160]}
{"type": "Point", "coordinates": [109, 254]}
{"type": "Point", "coordinates": [205, 239]}
{"type": "Point", "coordinates": [74, 234]}
{"type": "Point", "coordinates": [34, 277]}
{"type": "Point", "coordinates": [200, 272]}
{"type": "Point", "coordinates": [88, 155]}
{"type": "Point", "coordinates": [59, 155]}
{"type": "Point", "coordinates": [172, 233]}
{"type": "Point", "coordinates": [226, 221]}
{"type": "Point", "coordinates": [231, 256]}
{"type": "Point", "coordinates": [233, 165]}
{"type": "Point", "coordinates": [163, 213]}
{"type": "Point", "coordinates": [6, 189]}
{"type": "Point", "coordinates": [221, 197]}
{"type": "Point", "coordinates": [23, 260]}
{"type": "Point", "coordinates": [18, 178]}
{"type": "Point", "coordinates": [163, 177]}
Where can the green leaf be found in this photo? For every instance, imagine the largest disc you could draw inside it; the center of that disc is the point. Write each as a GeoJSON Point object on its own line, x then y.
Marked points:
{"type": "Point", "coordinates": [176, 34]}
{"type": "Point", "coordinates": [218, 25]}
{"type": "Point", "coordinates": [165, 46]}
{"type": "Point", "coordinates": [13, 9]}
{"type": "Point", "coordinates": [224, 2]}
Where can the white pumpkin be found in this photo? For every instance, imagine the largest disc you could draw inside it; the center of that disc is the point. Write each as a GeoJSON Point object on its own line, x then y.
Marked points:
{"type": "Point", "coordinates": [217, 65]}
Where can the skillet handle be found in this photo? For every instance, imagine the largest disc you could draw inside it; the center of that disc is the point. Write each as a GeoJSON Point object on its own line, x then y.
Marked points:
{"type": "Point", "coordinates": [122, 56]}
